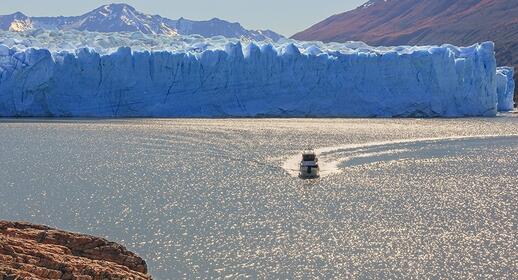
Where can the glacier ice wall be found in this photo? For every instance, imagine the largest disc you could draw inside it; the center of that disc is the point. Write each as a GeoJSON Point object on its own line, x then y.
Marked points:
{"type": "Point", "coordinates": [217, 78]}
{"type": "Point", "coordinates": [505, 88]}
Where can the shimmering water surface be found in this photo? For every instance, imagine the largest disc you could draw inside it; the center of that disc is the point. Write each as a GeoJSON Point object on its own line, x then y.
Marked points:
{"type": "Point", "coordinates": [218, 198]}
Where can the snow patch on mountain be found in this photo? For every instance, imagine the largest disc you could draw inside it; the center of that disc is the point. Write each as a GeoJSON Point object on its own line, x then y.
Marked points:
{"type": "Point", "coordinates": [372, 3]}
{"type": "Point", "coordinates": [21, 25]}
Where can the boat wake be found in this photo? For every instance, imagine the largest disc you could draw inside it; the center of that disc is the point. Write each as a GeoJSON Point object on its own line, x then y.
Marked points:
{"type": "Point", "coordinates": [334, 160]}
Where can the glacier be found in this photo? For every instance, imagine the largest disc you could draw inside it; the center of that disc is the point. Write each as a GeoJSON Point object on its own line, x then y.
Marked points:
{"type": "Point", "coordinates": [505, 88]}
{"type": "Point", "coordinates": [88, 74]}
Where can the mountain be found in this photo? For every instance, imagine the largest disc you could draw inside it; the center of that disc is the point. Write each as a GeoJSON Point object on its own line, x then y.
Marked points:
{"type": "Point", "coordinates": [11, 22]}
{"type": "Point", "coordinates": [125, 18]}
{"type": "Point", "coordinates": [112, 18]}
{"type": "Point", "coordinates": [215, 27]}
{"type": "Point", "coordinates": [423, 22]}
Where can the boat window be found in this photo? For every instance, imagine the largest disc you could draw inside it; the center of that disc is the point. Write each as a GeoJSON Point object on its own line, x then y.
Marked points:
{"type": "Point", "coordinates": [308, 157]}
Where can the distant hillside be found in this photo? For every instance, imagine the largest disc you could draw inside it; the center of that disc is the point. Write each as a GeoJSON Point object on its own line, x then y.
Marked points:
{"type": "Point", "coordinates": [423, 22]}
{"type": "Point", "coordinates": [122, 17]}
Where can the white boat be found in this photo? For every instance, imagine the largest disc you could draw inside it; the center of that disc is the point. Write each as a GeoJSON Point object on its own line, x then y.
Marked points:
{"type": "Point", "coordinates": [309, 168]}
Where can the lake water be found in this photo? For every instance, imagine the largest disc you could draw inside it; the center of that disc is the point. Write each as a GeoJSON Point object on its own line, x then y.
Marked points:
{"type": "Point", "coordinates": [220, 198]}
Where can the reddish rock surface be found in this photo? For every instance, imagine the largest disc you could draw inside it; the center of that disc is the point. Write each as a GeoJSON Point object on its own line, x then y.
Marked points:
{"type": "Point", "coordinates": [423, 22]}
{"type": "Point", "coordinates": [30, 251]}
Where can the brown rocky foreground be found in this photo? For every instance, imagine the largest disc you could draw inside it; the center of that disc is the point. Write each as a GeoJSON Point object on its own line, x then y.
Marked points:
{"type": "Point", "coordinates": [30, 251]}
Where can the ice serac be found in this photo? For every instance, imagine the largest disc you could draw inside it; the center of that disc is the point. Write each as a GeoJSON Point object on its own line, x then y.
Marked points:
{"type": "Point", "coordinates": [505, 88]}
{"type": "Point", "coordinates": [293, 79]}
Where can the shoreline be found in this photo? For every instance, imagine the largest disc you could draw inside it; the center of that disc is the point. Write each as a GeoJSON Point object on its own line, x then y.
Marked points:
{"type": "Point", "coordinates": [82, 118]}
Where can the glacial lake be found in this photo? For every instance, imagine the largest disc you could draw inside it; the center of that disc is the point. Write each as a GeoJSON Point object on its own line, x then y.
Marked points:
{"type": "Point", "coordinates": [399, 198]}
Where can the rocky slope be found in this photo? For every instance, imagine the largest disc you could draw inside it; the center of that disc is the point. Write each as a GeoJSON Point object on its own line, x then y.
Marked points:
{"type": "Point", "coordinates": [30, 251]}
{"type": "Point", "coordinates": [125, 18]}
{"type": "Point", "coordinates": [422, 22]}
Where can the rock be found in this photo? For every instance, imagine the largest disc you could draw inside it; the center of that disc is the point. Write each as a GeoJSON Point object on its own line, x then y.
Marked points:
{"type": "Point", "coordinates": [30, 251]}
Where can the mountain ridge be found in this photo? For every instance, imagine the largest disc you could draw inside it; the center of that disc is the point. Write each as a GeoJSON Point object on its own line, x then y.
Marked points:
{"type": "Point", "coordinates": [122, 17]}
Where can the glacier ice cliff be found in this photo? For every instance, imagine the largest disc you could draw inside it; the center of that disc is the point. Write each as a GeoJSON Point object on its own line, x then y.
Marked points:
{"type": "Point", "coordinates": [56, 75]}
{"type": "Point", "coordinates": [505, 88]}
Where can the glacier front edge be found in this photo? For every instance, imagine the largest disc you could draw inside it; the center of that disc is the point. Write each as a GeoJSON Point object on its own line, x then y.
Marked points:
{"type": "Point", "coordinates": [251, 81]}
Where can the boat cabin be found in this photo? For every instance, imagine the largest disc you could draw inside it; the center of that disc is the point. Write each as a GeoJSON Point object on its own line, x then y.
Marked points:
{"type": "Point", "coordinates": [309, 168]}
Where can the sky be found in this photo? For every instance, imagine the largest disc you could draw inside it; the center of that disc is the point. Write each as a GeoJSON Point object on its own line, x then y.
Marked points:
{"type": "Point", "coordinates": [284, 16]}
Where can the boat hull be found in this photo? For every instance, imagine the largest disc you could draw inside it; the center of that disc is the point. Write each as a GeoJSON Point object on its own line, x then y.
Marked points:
{"type": "Point", "coordinates": [309, 172]}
